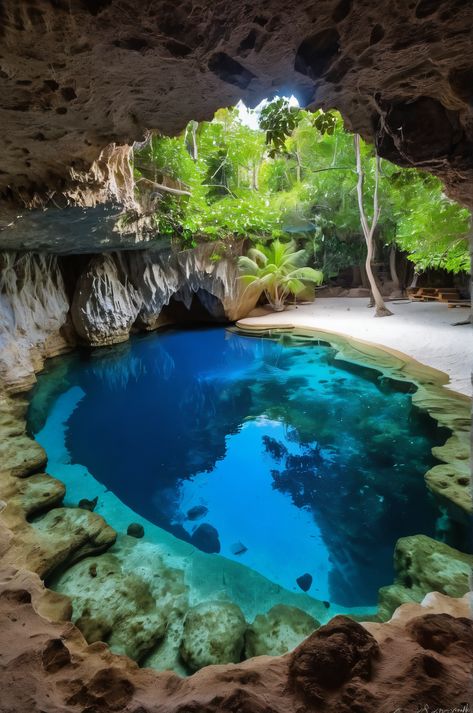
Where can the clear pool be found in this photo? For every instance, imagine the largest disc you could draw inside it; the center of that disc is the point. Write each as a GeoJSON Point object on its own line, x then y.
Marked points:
{"type": "Point", "coordinates": [271, 452]}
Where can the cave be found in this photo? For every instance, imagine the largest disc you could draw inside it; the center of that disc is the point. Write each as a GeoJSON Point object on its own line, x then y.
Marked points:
{"type": "Point", "coordinates": [203, 308]}
{"type": "Point", "coordinates": [82, 83]}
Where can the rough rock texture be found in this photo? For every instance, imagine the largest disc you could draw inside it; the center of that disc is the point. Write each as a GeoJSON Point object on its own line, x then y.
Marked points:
{"type": "Point", "coordinates": [46, 665]}
{"type": "Point", "coordinates": [105, 303]}
{"type": "Point", "coordinates": [79, 79]}
{"type": "Point", "coordinates": [427, 660]}
{"type": "Point", "coordinates": [450, 481]}
{"type": "Point", "coordinates": [119, 291]}
{"type": "Point", "coordinates": [99, 300]}
{"type": "Point", "coordinates": [58, 536]}
{"type": "Point", "coordinates": [279, 631]}
{"type": "Point", "coordinates": [119, 606]}
{"type": "Point", "coordinates": [425, 565]}
{"type": "Point", "coordinates": [213, 634]}
{"type": "Point", "coordinates": [33, 309]}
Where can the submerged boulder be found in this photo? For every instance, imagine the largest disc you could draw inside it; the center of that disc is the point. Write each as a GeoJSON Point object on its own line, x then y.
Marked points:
{"type": "Point", "coordinates": [213, 634]}
{"type": "Point", "coordinates": [305, 582]}
{"type": "Point", "coordinates": [89, 505]}
{"type": "Point", "coordinates": [197, 512]}
{"type": "Point", "coordinates": [122, 604]}
{"type": "Point", "coordinates": [205, 538]}
{"type": "Point", "coordinates": [134, 529]}
{"type": "Point", "coordinates": [278, 631]}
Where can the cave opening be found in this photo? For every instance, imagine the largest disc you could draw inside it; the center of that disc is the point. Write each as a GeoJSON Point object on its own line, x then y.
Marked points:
{"type": "Point", "coordinates": [401, 75]}
{"type": "Point", "coordinates": [202, 308]}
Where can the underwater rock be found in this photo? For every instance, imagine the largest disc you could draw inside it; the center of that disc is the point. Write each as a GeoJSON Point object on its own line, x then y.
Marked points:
{"type": "Point", "coordinates": [72, 676]}
{"type": "Point", "coordinates": [134, 529]}
{"type": "Point", "coordinates": [205, 538]}
{"type": "Point", "coordinates": [197, 512]}
{"type": "Point", "coordinates": [305, 582]}
{"type": "Point", "coordinates": [424, 565]}
{"type": "Point", "coordinates": [62, 536]}
{"type": "Point", "coordinates": [278, 631]}
{"type": "Point", "coordinates": [112, 603]}
{"type": "Point", "coordinates": [238, 548]}
{"type": "Point", "coordinates": [89, 505]}
{"type": "Point", "coordinates": [213, 634]}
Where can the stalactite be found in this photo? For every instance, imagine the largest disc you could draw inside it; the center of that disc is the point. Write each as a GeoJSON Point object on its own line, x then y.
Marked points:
{"type": "Point", "coordinates": [33, 309]}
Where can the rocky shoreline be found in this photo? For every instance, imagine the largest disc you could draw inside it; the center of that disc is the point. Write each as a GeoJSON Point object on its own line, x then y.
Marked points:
{"type": "Point", "coordinates": [41, 537]}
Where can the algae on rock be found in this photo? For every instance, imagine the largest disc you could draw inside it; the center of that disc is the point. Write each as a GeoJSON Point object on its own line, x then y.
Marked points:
{"type": "Point", "coordinates": [424, 565]}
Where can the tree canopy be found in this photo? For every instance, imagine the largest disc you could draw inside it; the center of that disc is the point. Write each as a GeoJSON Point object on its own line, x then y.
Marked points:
{"type": "Point", "coordinates": [294, 176]}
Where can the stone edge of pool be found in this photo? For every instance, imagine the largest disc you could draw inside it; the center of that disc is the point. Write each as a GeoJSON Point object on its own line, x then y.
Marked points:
{"type": "Point", "coordinates": [26, 490]}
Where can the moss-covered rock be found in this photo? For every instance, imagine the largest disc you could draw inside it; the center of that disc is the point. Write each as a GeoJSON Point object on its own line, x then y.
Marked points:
{"type": "Point", "coordinates": [424, 565]}
{"type": "Point", "coordinates": [278, 631]}
{"type": "Point", "coordinates": [120, 606]}
{"type": "Point", "coordinates": [213, 634]}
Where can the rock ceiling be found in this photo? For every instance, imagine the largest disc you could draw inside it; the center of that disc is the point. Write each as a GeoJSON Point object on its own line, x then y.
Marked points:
{"type": "Point", "coordinates": [79, 76]}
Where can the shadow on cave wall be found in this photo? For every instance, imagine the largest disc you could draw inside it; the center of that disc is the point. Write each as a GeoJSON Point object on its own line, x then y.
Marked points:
{"type": "Point", "coordinates": [204, 308]}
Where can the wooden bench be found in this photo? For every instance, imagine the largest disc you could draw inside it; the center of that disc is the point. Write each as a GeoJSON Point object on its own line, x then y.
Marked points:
{"type": "Point", "coordinates": [437, 294]}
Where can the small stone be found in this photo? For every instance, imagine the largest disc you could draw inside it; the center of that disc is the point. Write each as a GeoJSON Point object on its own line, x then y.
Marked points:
{"type": "Point", "coordinates": [305, 581]}
{"type": "Point", "coordinates": [135, 530]}
{"type": "Point", "coordinates": [93, 570]}
{"type": "Point", "coordinates": [89, 505]}
{"type": "Point", "coordinates": [238, 548]}
{"type": "Point", "coordinates": [197, 512]}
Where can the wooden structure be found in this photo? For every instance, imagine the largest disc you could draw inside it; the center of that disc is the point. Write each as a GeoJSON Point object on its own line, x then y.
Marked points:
{"type": "Point", "coordinates": [448, 295]}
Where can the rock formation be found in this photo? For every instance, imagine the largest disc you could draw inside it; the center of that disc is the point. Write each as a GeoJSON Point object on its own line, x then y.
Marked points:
{"type": "Point", "coordinates": [147, 614]}
{"type": "Point", "coordinates": [120, 291]}
{"type": "Point", "coordinates": [413, 660]}
{"type": "Point", "coordinates": [46, 307]}
{"type": "Point", "coordinates": [425, 565]}
{"type": "Point", "coordinates": [81, 81]}
{"type": "Point", "coordinates": [33, 310]}
{"type": "Point", "coordinates": [278, 631]}
{"type": "Point", "coordinates": [213, 634]}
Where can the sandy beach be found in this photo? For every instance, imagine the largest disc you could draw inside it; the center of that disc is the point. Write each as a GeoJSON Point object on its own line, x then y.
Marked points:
{"type": "Point", "coordinates": [422, 330]}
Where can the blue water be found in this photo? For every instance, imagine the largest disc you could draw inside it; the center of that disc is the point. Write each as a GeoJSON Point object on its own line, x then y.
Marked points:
{"type": "Point", "coordinates": [297, 463]}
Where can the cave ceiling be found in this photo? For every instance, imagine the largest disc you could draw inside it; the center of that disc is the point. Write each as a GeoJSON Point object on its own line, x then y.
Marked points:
{"type": "Point", "coordinates": [81, 80]}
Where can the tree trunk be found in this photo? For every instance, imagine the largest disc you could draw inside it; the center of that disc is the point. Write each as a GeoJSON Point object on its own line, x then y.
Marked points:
{"type": "Point", "coordinates": [255, 176]}
{"type": "Point", "coordinates": [415, 278]}
{"type": "Point", "coordinates": [298, 167]}
{"type": "Point", "coordinates": [392, 268]}
{"type": "Point", "coordinates": [195, 152]}
{"type": "Point", "coordinates": [368, 230]}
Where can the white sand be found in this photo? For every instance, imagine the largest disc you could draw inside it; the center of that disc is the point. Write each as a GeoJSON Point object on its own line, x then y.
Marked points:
{"type": "Point", "coordinates": [422, 330]}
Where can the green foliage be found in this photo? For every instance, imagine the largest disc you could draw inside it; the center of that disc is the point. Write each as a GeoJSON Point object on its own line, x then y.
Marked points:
{"type": "Point", "coordinates": [294, 175]}
{"type": "Point", "coordinates": [279, 270]}
{"type": "Point", "coordinates": [278, 119]}
{"type": "Point", "coordinates": [430, 227]}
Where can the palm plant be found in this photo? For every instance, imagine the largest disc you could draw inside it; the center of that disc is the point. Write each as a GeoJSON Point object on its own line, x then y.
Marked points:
{"type": "Point", "coordinates": [279, 270]}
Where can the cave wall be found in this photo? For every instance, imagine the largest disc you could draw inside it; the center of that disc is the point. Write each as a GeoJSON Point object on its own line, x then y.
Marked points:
{"type": "Point", "coordinates": [81, 80]}
{"type": "Point", "coordinates": [48, 303]}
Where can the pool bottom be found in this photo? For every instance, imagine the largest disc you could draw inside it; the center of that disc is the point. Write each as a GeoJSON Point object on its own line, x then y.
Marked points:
{"type": "Point", "coordinates": [205, 577]}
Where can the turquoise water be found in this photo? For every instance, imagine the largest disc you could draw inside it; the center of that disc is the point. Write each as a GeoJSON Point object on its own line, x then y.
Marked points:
{"type": "Point", "coordinates": [270, 452]}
